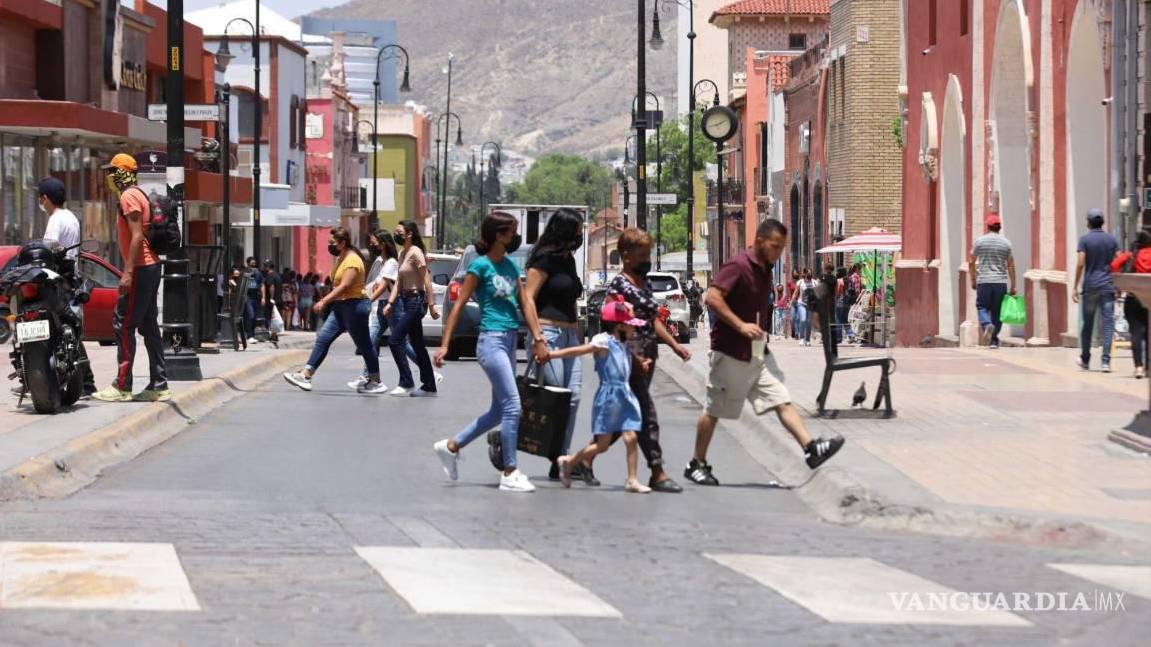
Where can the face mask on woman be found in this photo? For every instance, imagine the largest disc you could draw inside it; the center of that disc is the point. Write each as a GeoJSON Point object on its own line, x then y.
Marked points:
{"type": "Point", "coordinates": [399, 238]}
{"type": "Point", "coordinates": [515, 243]}
{"type": "Point", "coordinates": [333, 249]}
{"type": "Point", "coordinates": [643, 269]}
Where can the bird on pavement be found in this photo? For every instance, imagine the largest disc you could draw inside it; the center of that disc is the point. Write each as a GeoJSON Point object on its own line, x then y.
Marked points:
{"type": "Point", "coordinates": [860, 395]}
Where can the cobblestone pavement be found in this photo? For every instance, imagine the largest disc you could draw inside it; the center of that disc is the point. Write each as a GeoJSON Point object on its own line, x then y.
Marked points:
{"type": "Point", "coordinates": [287, 513]}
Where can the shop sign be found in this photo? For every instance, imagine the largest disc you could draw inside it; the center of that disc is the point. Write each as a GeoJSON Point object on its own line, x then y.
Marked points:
{"type": "Point", "coordinates": [152, 162]}
{"type": "Point", "coordinates": [133, 76]}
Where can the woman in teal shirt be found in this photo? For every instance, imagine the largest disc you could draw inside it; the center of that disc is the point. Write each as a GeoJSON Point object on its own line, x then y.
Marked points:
{"type": "Point", "coordinates": [494, 279]}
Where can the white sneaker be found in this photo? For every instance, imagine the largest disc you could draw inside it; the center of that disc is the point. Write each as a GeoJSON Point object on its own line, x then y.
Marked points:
{"type": "Point", "coordinates": [517, 481]}
{"type": "Point", "coordinates": [449, 460]}
{"type": "Point", "coordinates": [421, 393]}
{"type": "Point", "coordinates": [439, 378]}
{"type": "Point", "coordinates": [299, 379]}
{"type": "Point", "coordinates": [372, 388]}
{"type": "Point", "coordinates": [399, 391]}
{"type": "Point", "coordinates": [253, 340]}
{"type": "Point", "coordinates": [358, 382]}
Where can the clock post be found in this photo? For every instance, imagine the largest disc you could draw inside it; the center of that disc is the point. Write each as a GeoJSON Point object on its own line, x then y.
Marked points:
{"type": "Point", "coordinates": [719, 125]}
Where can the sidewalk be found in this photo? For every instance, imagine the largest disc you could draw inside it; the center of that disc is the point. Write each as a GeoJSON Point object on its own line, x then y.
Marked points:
{"type": "Point", "coordinates": [25, 435]}
{"type": "Point", "coordinates": [1015, 434]}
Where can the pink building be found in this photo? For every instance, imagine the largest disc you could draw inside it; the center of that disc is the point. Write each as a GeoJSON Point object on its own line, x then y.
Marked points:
{"type": "Point", "coordinates": [332, 175]}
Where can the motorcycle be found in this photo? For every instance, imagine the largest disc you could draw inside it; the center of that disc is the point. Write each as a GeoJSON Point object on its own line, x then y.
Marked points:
{"type": "Point", "coordinates": [45, 295]}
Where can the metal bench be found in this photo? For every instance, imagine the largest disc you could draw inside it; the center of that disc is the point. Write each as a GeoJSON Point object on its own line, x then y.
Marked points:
{"type": "Point", "coordinates": [825, 307]}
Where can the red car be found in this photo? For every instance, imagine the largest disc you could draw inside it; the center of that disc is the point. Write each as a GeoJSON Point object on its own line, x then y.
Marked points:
{"type": "Point", "coordinates": [98, 311]}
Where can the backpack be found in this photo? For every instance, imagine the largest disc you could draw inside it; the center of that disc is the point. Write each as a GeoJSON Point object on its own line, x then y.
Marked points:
{"type": "Point", "coordinates": [163, 224]}
{"type": "Point", "coordinates": [809, 294]}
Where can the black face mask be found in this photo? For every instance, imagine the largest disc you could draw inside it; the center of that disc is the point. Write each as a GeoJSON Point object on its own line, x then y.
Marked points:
{"type": "Point", "coordinates": [374, 249]}
{"type": "Point", "coordinates": [511, 248]}
{"type": "Point", "coordinates": [643, 268]}
{"type": "Point", "coordinates": [399, 238]}
{"type": "Point", "coordinates": [333, 249]}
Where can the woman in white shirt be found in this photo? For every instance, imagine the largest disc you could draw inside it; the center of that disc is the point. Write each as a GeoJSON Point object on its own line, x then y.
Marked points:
{"type": "Point", "coordinates": [804, 290]}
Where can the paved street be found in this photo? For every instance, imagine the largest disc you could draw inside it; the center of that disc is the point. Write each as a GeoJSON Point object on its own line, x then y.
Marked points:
{"type": "Point", "coordinates": [324, 518]}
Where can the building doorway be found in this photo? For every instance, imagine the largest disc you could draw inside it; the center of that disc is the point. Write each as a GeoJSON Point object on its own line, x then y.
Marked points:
{"type": "Point", "coordinates": [952, 209]}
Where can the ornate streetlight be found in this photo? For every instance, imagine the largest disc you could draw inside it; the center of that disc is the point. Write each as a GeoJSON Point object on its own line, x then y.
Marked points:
{"type": "Point", "coordinates": [394, 52]}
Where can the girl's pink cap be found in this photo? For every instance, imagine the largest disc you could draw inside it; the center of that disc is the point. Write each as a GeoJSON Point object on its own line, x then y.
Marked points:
{"type": "Point", "coordinates": [618, 311]}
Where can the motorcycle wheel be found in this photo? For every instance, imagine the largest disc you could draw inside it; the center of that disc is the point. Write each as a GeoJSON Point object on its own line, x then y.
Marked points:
{"type": "Point", "coordinates": [5, 327]}
{"type": "Point", "coordinates": [43, 384]}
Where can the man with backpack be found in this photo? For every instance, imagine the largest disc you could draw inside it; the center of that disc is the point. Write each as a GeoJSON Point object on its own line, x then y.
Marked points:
{"type": "Point", "coordinates": [136, 308]}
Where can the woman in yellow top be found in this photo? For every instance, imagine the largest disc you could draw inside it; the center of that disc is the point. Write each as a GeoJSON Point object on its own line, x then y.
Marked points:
{"type": "Point", "coordinates": [350, 310]}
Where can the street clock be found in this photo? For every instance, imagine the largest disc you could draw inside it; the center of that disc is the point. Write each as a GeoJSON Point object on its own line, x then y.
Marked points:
{"type": "Point", "coordinates": [719, 124]}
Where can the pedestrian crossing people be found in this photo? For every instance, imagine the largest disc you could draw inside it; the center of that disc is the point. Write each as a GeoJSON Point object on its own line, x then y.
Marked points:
{"type": "Point", "coordinates": [412, 295]}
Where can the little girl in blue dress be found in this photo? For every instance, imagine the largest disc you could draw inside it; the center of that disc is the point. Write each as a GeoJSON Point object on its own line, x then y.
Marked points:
{"type": "Point", "coordinates": [616, 409]}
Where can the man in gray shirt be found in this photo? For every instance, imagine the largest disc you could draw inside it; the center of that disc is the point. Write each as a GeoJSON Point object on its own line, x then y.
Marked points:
{"type": "Point", "coordinates": [1096, 250]}
{"type": "Point", "coordinates": [992, 269]}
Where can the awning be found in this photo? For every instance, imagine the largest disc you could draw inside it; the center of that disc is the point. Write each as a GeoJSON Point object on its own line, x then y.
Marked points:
{"type": "Point", "coordinates": [876, 239]}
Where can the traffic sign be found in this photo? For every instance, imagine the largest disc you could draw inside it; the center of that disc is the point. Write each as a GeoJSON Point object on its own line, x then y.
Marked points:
{"type": "Point", "coordinates": [192, 112]}
{"type": "Point", "coordinates": [1147, 198]}
{"type": "Point", "coordinates": [658, 198]}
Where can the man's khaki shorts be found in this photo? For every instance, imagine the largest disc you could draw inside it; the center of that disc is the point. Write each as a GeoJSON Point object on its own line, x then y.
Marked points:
{"type": "Point", "coordinates": [730, 382]}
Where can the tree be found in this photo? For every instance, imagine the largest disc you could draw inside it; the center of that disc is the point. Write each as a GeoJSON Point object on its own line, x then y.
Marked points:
{"type": "Point", "coordinates": [673, 146]}
{"type": "Point", "coordinates": [562, 179]}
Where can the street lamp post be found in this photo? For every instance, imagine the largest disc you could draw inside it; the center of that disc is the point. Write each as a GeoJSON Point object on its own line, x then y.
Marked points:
{"type": "Point", "coordinates": [626, 186]}
{"type": "Point", "coordinates": [226, 324]}
{"type": "Point", "coordinates": [641, 122]}
{"type": "Point", "coordinates": [658, 161]}
{"type": "Point", "coordinates": [495, 166]}
{"type": "Point", "coordinates": [446, 118]}
{"type": "Point", "coordinates": [691, 165]}
{"type": "Point", "coordinates": [405, 87]}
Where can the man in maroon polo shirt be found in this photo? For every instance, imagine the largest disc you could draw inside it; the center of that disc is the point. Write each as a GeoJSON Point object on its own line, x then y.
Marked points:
{"type": "Point", "coordinates": [742, 367]}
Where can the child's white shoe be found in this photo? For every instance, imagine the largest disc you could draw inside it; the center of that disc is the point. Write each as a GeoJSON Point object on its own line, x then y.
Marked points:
{"type": "Point", "coordinates": [636, 487]}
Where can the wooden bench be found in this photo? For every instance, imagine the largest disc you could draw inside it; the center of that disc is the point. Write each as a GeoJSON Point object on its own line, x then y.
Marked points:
{"type": "Point", "coordinates": [825, 307]}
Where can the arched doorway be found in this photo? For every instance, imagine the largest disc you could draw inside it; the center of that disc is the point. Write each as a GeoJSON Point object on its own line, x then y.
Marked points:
{"type": "Point", "coordinates": [817, 219]}
{"type": "Point", "coordinates": [952, 208]}
{"type": "Point", "coordinates": [804, 225]}
{"type": "Point", "coordinates": [1011, 82]}
{"type": "Point", "coordinates": [795, 232]}
{"type": "Point", "coordinates": [1086, 138]}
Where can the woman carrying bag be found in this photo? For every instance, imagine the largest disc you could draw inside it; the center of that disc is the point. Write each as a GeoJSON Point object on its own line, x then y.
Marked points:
{"type": "Point", "coordinates": [494, 279]}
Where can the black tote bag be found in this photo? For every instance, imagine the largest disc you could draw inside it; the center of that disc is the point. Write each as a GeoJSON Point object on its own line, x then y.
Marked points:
{"type": "Point", "coordinates": [543, 419]}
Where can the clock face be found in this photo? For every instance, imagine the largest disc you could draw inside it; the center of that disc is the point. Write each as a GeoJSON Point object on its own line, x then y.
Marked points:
{"type": "Point", "coordinates": [719, 123]}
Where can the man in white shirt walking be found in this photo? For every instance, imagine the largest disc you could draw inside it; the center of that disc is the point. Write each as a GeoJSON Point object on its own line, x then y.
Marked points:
{"type": "Point", "coordinates": [992, 270]}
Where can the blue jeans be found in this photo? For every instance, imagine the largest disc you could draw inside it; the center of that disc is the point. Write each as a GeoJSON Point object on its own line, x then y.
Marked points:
{"type": "Point", "coordinates": [350, 316]}
{"type": "Point", "coordinates": [496, 352]}
{"type": "Point", "coordinates": [802, 322]}
{"type": "Point", "coordinates": [566, 373]}
{"type": "Point", "coordinates": [408, 329]}
{"type": "Point", "coordinates": [795, 325]}
{"type": "Point", "coordinates": [988, 301]}
{"type": "Point", "coordinates": [1092, 302]}
{"type": "Point", "coordinates": [378, 327]}
{"type": "Point", "coordinates": [251, 307]}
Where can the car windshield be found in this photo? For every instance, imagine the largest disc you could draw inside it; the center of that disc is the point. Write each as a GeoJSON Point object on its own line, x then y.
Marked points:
{"type": "Point", "coordinates": [663, 283]}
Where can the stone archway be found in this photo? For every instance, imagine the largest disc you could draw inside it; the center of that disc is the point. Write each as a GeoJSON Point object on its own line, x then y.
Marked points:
{"type": "Point", "coordinates": [952, 209]}
{"type": "Point", "coordinates": [1011, 83]}
{"type": "Point", "coordinates": [819, 225]}
{"type": "Point", "coordinates": [1087, 159]}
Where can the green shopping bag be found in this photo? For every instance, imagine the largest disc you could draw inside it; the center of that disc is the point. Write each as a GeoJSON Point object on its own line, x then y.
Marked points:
{"type": "Point", "coordinates": [1013, 310]}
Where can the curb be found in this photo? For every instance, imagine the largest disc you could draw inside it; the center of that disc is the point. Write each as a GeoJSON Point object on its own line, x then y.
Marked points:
{"type": "Point", "coordinates": [79, 462]}
{"type": "Point", "coordinates": [837, 496]}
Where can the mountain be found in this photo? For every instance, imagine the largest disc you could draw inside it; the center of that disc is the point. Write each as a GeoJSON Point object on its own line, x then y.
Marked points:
{"type": "Point", "coordinates": [538, 76]}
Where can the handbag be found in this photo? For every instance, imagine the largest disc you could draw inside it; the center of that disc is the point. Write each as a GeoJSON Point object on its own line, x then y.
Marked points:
{"type": "Point", "coordinates": [1013, 310]}
{"type": "Point", "coordinates": [543, 419]}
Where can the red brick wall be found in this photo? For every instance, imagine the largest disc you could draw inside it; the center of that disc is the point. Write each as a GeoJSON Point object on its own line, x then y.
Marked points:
{"type": "Point", "coordinates": [17, 61]}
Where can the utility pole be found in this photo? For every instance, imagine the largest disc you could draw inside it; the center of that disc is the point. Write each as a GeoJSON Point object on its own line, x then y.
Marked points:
{"type": "Point", "coordinates": [691, 140]}
{"type": "Point", "coordinates": [641, 123]}
{"type": "Point", "coordinates": [444, 176]}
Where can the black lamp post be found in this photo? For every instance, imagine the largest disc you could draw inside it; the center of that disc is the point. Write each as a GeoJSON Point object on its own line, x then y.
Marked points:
{"type": "Point", "coordinates": [640, 122]}
{"type": "Point", "coordinates": [658, 157]}
{"type": "Point", "coordinates": [496, 164]}
{"type": "Point", "coordinates": [405, 87]}
{"type": "Point", "coordinates": [227, 326]}
{"type": "Point", "coordinates": [446, 118]}
{"type": "Point", "coordinates": [691, 165]}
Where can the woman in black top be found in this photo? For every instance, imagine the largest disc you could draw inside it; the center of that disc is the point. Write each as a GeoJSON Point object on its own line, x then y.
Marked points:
{"type": "Point", "coordinates": [553, 287]}
{"type": "Point", "coordinates": [635, 254]}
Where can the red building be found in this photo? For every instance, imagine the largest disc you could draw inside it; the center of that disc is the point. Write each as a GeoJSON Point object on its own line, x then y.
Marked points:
{"type": "Point", "coordinates": [1004, 111]}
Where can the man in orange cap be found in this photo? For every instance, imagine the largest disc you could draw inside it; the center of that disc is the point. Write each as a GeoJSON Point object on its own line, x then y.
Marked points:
{"type": "Point", "coordinates": [136, 308]}
{"type": "Point", "coordinates": [991, 266]}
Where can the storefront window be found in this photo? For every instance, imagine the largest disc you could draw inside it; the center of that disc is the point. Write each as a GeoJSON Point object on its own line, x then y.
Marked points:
{"type": "Point", "coordinates": [22, 219]}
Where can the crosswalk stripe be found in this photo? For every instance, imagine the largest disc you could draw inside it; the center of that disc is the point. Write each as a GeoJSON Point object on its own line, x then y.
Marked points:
{"type": "Point", "coordinates": [481, 582]}
{"type": "Point", "coordinates": [1136, 580]}
{"type": "Point", "coordinates": [93, 575]}
{"type": "Point", "coordinates": [859, 590]}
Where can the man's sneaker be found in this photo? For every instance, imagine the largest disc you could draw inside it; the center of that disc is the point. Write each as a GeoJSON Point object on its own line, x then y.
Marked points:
{"type": "Point", "coordinates": [1106, 368]}
{"type": "Point", "coordinates": [439, 378]}
{"type": "Point", "coordinates": [358, 382]}
{"type": "Point", "coordinates": [253, 340]}
{"type": "Point", "coordinates": [1083, 365]}
{"type": "Point", "coordinates": [986, 334]}
{"type": "Point", "coordinates": [399, 391]}
{"type": "Point", "coordinates": [372, 388]}
{"type": "Point", "coordinates": [821, 449]}
{"type": "Point", "coordinates": [448, 459]}
{"type": "Point", "coordinates": [421, 393]}
{"type": "Point", "coordinates": [699, 472]}
{"type": "Point", "coordinates": [517, 481]}
{"type": "Point", "coordinates": [112, 394]}
{"type": "Point", "coordinates": [153, 395]}
{"type": "Point", "coordinates": [299, 379]}
{"type": "Point", "coordinates": [585, 473]}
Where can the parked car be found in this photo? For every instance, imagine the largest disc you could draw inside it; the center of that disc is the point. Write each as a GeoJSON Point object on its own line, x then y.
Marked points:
{"type": "Point", "coordinates": [668, 292]}
{"type": "Point", "coordinates": [468, 327]}
{"type": "Point", "coordinates": [595, 298]}
{"type": "Point", "coordinates": [97, 312]}
{"type": "Point", "coordinates": [440, 267]}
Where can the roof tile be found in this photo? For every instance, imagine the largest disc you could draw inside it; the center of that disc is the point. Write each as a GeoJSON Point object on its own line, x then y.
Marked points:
{"type": "Point", "coordinates": [776, 7]}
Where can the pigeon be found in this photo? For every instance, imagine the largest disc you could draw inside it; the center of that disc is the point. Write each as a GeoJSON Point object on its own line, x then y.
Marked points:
{"type": "Point", "coordinates": [860, 395]}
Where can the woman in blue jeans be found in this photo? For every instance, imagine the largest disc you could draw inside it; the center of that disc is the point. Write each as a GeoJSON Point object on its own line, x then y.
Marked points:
{"type": "Point", "coordinates": [553, 287]}
{"type": "Point", "coordinates": [412, 294]}
{"type": "Point", "coordinates": [349, 313]}
{"type": "Point", "coordinates": [494, 279]}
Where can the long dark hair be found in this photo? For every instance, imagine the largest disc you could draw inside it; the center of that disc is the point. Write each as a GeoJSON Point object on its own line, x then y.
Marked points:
{"type": "Point", "coordinates": [564, 233]}
{"type": "Point", "coordinates": [1142, 239]}
{"type": "Point", "coordinates": [412, 229]}
{"type": "Point", "coordinates": [494, 223]}
{"type": "Point", "coordinates": [342, 235]}
{"type": "Point", "coordinates": [387, 245]}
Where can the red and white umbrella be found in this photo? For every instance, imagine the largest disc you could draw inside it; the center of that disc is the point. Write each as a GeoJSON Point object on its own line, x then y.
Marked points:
{"type": "Point", "coordinates": [876, 239]}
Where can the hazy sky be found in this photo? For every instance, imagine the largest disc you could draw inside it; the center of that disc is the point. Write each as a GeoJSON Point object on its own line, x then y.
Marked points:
{"type": "Point", "coordinates": [288, 8]}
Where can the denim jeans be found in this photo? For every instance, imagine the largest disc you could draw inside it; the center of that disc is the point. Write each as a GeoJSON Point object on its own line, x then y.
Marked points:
{"type": "Point", "coordinates": [1093, 302]}
{"type": "Point", "coordinates": [802, 322]}
{"type": "Point", "coordinates": [1136, 316]}
{"type": "Point", "coordinates": [408, 328]}
{"type": "Point", "coordinates": [988, 300]}
{"type": "Point", "coordinates": [496, 352]}
{"type": "Point", "coordinates": [378, 328]}
{"type": "Point", "coordinates": [565, 373]}
{"type": "Point", "coordinates": [779, 321]}
{"type": "Point", "coordinates": [350, 316]}
{"type": "Point", "coordinates": [795, 325]}
{"type": "Point", "coordinates": [251, 307]}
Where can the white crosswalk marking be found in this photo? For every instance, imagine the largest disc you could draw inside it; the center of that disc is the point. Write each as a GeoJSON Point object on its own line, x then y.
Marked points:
{"type": "Point", "coordinates": [1136, 580]}
{"type": "Point", "coordinates": [860, 590]}
{"type": "Point", "coordinates": [83, 575]}
{"type": "Point", "coordinates": [481, 582]}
